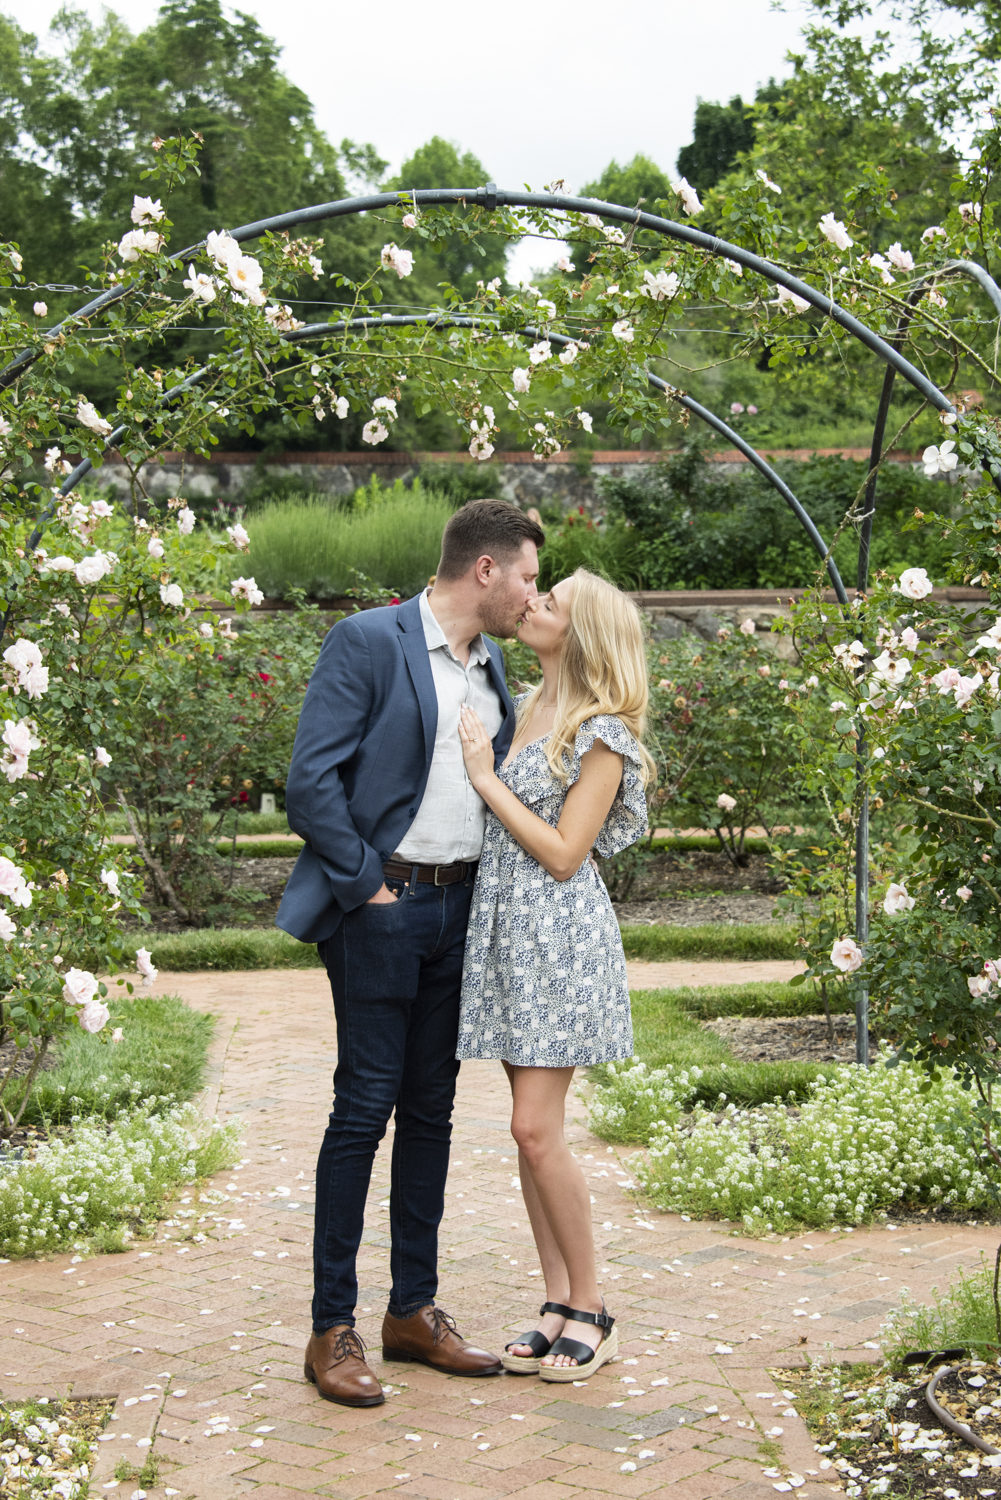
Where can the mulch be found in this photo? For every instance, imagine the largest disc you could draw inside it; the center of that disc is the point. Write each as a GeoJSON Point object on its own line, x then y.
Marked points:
{"type": "Point", "coordinates": [789, 1038]}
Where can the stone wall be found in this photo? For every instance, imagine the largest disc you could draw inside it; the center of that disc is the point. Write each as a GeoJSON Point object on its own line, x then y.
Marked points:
{"type": "Point", "coordinates": [567, 479]}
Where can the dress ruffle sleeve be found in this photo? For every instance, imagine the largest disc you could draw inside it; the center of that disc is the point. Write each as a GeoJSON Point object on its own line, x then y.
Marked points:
{"type": "Point", "coordinates": [627, 817]}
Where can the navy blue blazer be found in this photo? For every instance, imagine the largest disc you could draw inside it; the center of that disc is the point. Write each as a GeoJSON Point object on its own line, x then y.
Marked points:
{"type": "Point", "coordinates": [361, 760]}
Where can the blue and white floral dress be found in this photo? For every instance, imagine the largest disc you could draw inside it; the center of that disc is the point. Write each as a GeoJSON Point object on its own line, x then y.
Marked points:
{"type": "Point", "coordinates": [544, 981]}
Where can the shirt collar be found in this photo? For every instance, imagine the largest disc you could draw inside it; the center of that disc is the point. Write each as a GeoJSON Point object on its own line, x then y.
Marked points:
{"type": "Point", "coordinates": [479, 652]}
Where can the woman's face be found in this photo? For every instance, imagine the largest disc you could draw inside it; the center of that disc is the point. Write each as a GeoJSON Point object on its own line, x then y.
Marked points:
{"type": "Point", "coordinates": [546, 619]}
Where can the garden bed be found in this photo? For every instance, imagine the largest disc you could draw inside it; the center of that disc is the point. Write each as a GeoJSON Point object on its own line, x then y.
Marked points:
{"type": "Point", "coordinates": [48, 1447]}
{"type": "Point", "coordinates": [875, 1434]}
{"type": "Point", "coordinates": [775, 1038]}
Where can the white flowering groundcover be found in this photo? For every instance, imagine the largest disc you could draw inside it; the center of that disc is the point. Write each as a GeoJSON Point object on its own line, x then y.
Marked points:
{"type": "Point", "coordinates": [108, 1177]}
{"type": "Point", "coordinates": [863, 1141]}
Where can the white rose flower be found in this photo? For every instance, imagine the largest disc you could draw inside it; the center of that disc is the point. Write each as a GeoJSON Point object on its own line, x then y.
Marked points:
{"type": "Point", "coordinates": [565, 264]}
{"type": "Point", "coordinates": [101, 756]}
{"type": "Point", "coordinates": [726, 802]}
{"type": "Point", "coordinates": [26, 660]}
{"type": "Point", "coordinates": [660, 288]}
{"type": "Point", "coordinates": [614, 236]}
{"type": "Point", "coordinates": [902, 259]}
{"type": "Point", "coordinates": [172, 595]}
{"type": "Point", "coordinates": [970, 213]}
{"type": "Point", "coordinates": [146, 211]}
{"type": "Point", "coordinates": [539, 352]}
{"type": "Point", "coordinates": [93, 1015]}
{"type": "Point", "coordinates": [846, 955]}
{"type": "Point", "coordinates": [734, 266]}
{"type": "Point", "coordinates": [90, 570]}
{"type": "Point", "coordinates": [342, 407]}
{"type": "Point", "coordinates": [117, 1035]}
{"type": "Point", "coordinates": [40, 309]}
{"type": "Point", "coordinates": [246, 588]}
{"type": "Point", "coordinates": [586, 421]}
{"type": "Point", "coordinates": [110, 878]}
{"type": "Point", "coordinates": [12, 882]}
{"type": "Point", "coordinates": [882, 265]}
{"type": "Point", "coordinates": [789, 299]}
{"type": "Point", "coordinates": [914, 584]}
{"type": "Point", "coordinates": [832, 229]}
{"type": "Point", "coordinates": [139, 242]}
{"type": "Point", "coordinates": [764, 178]}
{"type": "Point", "coordinates": [155, 547]}
{"type": "Point", "coordinates": [185, 521]}
{"type": "Point", "coordinates": [934, 232]}
{"type": "Point", "coordinates": [206, 630]}
{"type": "Point", "coordinates": [747, 627]}
{"type": "Point", "coordinates": [245, 275]}
{"type": "Point", "coordinates": [964, 893]}
{"type": "Point", "coordinates": [79, 987]}
{"type": "Point", "coordinates": [200, 284]}
{"type": "Point", "coordinates": [897, 899]}
{"type": "Point", "coordinates": [8, 929]}
{"type": "Point", "coordinates": [978, 984]}
{"type": "Point", "coordinates": [568, 354]}
{"type": "Point", "coordinates": [409, 221]}
{"type": "Point", "coordinates": [623, 331]}
{"type": "Point", "coordinates": [87, 413]}
{"type": "Point", "coordinates": [374, 432]}
{"type": "Point", "coordinates": [395, 259]}
{"type": "Point", "coordinates": [222, 248]}
{"type": "Point", "coordinates": [521, 379]}
{"type": "Point", "coordinates": [940, 460]}
{"type": "Point", "coordinates": [688, 195]}
{"type": "Point", "coordinates": [100, 510]}
{"type": "Point", "coordinates": [239, 537]}
{"type": "Point", "coordinates": [891, 670]}
{"type": "Point", "coordinates": [144, 965]}
{"type": "Point", "coordinates": [386, 404]}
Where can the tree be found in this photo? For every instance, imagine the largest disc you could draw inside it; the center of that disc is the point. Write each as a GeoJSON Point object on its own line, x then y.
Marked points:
{"type": "Point", "coordinates": [640, 179]}
{"type": "Point", "coordinates": [721, 133]}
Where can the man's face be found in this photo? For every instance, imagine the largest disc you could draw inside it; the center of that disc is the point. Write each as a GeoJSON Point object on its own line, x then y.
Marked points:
{"type": "Point", "coordinates": [510, 590]}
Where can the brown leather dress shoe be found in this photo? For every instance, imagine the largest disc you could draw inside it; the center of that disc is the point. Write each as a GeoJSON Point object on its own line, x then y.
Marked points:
{"type": "Point", "coordinates": [335, 1363]}
{"type": "Point", "coordinates": [430, 1337]}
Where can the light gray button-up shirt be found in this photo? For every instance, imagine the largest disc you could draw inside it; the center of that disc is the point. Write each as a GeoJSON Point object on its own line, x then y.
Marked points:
{"type": "Point", "coordinates": [450, 820]}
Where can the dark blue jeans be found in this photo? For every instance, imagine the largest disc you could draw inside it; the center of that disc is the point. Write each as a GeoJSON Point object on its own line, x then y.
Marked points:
{"type": "Point", "coordinates": [396, 973]}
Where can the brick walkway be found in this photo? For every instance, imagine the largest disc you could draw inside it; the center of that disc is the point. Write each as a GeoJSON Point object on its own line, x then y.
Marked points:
{"type": "Point", "coordinates": [202, 1344]}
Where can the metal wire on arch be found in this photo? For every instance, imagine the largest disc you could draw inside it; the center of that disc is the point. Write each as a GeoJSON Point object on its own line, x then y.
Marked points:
{"type": "Point", "coordinates": [490, 197]}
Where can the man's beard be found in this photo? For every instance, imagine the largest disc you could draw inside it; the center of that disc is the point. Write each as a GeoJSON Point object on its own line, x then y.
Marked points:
{"type": "Point", "coordinates": [501, 617]}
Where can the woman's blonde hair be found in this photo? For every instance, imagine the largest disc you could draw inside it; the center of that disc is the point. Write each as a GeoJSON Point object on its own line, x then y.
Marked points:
{"type": "Point", "coordinates": [602, 670]}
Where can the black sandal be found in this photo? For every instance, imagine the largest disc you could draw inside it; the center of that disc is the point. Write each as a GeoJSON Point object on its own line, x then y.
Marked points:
{"type": "Point", "coordinates": [589, 1360]}
{"type": "Point", "coordinates": [520, 1364]}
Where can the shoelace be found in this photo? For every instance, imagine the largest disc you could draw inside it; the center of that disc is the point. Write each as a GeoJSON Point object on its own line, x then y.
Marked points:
{"type": "Point", "coordinates": [443, 1324]}
{"type": "Point", "coordinates": [347, 1343]}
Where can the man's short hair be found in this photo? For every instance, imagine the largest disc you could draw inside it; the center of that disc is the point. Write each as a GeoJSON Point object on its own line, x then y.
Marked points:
{"type": "Point", "coordinates": [492, 528]}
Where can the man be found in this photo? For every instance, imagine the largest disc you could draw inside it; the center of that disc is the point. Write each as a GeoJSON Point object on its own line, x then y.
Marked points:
{"type": "Point", "coordinates": [393, 830]}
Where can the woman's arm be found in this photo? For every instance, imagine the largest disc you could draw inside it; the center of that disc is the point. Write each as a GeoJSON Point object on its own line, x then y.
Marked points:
{"type": "Point", "coordinates": [563, 849]}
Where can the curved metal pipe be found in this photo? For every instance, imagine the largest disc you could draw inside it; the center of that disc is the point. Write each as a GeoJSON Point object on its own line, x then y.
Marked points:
{"type": "Point", "coordinates": [948, 1420]}
{"type": "Point", "coordinates": [490, 197]}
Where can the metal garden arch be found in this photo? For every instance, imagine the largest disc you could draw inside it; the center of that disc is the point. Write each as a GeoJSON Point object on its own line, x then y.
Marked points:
{"type": "Point", "coordinates": [490, 197]}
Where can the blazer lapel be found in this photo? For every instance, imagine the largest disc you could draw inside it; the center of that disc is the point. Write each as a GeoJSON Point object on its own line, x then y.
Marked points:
{"type": "Point", "coordinates": [504, 735]}
{"type": "Point", "coordinates": [415, 650]}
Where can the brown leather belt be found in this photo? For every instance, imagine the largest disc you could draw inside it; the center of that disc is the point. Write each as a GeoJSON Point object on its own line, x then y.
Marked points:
{"type": "Point", "coordinates": [398, 869]}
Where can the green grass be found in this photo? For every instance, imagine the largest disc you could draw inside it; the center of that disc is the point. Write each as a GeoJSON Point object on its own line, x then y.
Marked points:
{"type": "Point", "coordinates": [230, 948]}
{"type": "Point", "coordinates": [666, 1031]}
{"type": "Point", "coordinates": [701, 843]}
{"type": "Point", "coordinates": [264, 849]}
{"type": "Point", "coordinates": [315, 545]}
{"type": "Point", "coordinates": [760, 998]}
{"type": "Point", "coordinates": [712, 940]}
{"type": "Point", "coordinates": [164, 1051]}
{"type": "Point", "coordinates": [248, 823]}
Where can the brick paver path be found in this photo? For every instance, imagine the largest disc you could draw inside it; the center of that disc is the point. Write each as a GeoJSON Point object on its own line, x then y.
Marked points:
{"type": "Point", "coordinates": [195, 1338]}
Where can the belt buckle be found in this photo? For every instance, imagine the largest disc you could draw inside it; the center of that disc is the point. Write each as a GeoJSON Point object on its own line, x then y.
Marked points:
{"type": "Point", "coordinates": [442, 867]}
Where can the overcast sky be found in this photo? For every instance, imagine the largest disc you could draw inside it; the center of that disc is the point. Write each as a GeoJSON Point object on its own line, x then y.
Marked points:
{"type": "Point", "coordinates": [536, 90]}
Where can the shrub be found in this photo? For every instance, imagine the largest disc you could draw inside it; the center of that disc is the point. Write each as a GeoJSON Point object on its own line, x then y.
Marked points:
{"type": "Point", "coordinates": [107, 1176]}
{"type": "Point", "coordinates": [320, 548]}
{"type": "Point", "coordinates": [610, 548]}
{"type": "Point", "coordinates": [864, 1140]}
{"type": "Point", "coordinates": [696, 528]}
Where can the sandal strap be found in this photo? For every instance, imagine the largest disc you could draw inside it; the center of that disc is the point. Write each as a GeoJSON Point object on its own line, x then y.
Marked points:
{"type": "Point", "coordinates": [574, 1349]}
{"type": "Point", "coordinates": [536, 1341]}
{"type": "Point", "coordinates": [600, 1320]}
{"type": "Point", "coordinates": [555, 1307]}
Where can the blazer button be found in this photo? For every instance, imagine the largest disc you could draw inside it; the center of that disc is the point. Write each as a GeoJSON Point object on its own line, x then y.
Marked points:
{"type": "Point", "coordinates": [413, 812]}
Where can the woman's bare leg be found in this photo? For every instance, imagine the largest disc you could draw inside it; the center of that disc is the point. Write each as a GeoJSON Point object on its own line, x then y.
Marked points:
{"type": "Point", "coordinates": [558, 1200]}
{"type": "Point", "coordinates": [553, 1268]}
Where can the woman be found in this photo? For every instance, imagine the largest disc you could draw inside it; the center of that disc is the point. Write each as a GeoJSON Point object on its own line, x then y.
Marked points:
{"type": "Point", "coordinates": [544, 983]}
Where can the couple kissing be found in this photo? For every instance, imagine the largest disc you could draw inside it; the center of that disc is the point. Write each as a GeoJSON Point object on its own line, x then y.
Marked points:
{"type": "Point", "coordinates": [448, 883]}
